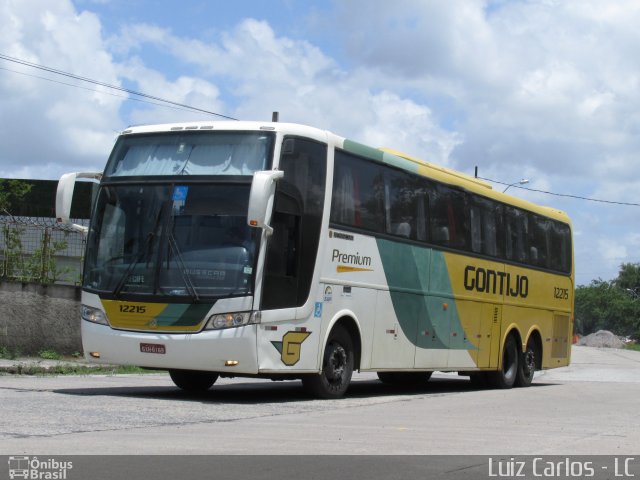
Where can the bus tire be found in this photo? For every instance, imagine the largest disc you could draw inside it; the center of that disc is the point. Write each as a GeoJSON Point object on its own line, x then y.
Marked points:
{"type": "Point", "coordinates": [506, 376]}
{"type": "Point", "coordinates": [404, 378]}
{"type": "Point", "coordinates": [193, 381]}
{"type": "Point", "coordinates": [337, 367]}
{"type": "Point", "coordinates": [527, 365]}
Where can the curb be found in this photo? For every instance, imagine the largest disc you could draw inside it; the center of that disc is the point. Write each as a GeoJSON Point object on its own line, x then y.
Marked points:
{"type": "Point", "coordinates": [36, 366]}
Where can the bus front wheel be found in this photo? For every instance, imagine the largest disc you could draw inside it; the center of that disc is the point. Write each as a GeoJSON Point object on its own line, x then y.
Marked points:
{"type": "Point", "coordinates": [337, 367]}
{"type": "Point", "coordinates": [193, 381]}
{"type": "Point", "coordinates": [506, 376]}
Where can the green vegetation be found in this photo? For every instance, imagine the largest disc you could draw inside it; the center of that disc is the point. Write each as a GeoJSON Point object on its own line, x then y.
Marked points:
{"type": "Point", "coordinates": [12, 192]}
{"type": "Point", "coordinates": [9, 354]}
{"type": "Point", "coordinates": [65, 365]}
{"type": "Point", "coordinates": [72, 369]}
{"type": "Point", "coordinates": [40, 265]}
{"type": "Point", "coordinates": [36, 264]}
{"type": "Point", "coordinates": [633, 346]}
{"type": "Point", "coordinates": [50, 355]}
{"type": "Point", "coordinates": [611, 305]}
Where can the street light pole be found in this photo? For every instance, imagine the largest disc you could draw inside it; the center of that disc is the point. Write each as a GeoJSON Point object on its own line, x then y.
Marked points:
{"type": "Point", "coordinates": [524, 181]}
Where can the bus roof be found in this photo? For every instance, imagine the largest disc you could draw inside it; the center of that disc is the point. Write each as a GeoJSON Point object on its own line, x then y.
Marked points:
{"type": "Point", "coordinates": [291, 128]}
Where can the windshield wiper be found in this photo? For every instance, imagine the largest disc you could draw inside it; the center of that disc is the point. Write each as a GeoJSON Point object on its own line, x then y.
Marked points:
{"type": "Point", "coordinates": [183, 269]}
{"type": "Point", "coordinates": [143, 251]}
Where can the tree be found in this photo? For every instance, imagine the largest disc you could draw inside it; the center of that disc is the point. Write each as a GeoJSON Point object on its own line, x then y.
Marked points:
{"type": "Point", "coordinates": [610, 305]}
{"type": "Point", "coordinates": [629, 277]}
{"type": "Point", "coordinates": [11, 193]}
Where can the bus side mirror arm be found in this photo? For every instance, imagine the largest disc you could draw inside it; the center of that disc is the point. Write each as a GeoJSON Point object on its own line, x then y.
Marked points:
{"type": "Point", "coordinates": [263, 188]}
{"type": "Point", "coordinates": [64, 195]}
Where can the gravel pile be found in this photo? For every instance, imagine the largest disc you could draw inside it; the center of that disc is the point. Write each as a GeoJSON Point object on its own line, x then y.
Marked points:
{"type": "Point", "coordinates": [602, 339]}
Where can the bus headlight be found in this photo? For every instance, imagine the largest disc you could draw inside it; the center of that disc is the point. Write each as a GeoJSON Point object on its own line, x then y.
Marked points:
{"type": "Point", "coordinates": [231, 320]}
{"type": "Point", "coordinates": [94, 315]}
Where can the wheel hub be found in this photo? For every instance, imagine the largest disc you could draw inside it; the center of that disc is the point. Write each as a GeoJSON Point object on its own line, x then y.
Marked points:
{"type": "Point", "coordinates": [529, 361]}
{"type": "Point", "coordinates": [336, 363]}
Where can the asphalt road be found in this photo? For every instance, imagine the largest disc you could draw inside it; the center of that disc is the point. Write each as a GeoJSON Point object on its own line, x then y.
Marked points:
{"type": "Point", "coordinates": [590, 407]}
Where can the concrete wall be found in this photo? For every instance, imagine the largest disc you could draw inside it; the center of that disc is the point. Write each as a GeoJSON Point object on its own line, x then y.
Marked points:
{"type": "Point", "coordinates": [39, 317]}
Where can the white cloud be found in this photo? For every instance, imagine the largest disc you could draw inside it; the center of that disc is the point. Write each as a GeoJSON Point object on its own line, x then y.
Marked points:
{"type": "Point", "coordinates": [408, 125]}
{"type": "Point", "coordinates": [184, 90]}
{"type": "Point", "coordinates": [548, 75]}
{"type": "Point", "coordinates": [612, 252]}
{"type": "Point", "coordinates": [52, 125]}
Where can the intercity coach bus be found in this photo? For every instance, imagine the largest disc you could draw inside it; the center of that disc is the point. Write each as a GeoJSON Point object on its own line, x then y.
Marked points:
{"type": "Point", "coordinates": [224, 249]}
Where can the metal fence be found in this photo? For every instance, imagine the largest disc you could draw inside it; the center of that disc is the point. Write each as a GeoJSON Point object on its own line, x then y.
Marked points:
{"type": "Point", "coordinates": [39, 250]}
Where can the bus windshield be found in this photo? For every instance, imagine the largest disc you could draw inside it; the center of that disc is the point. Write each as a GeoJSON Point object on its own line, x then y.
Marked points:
{"type": "Point", "coordinates": [185, 240]}
{"type": "Point", "coordinates": [190, 153]}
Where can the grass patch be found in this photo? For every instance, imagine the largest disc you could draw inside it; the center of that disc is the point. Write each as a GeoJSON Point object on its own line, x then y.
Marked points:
{"type": "Point", "coordinates": [62, 365]}
{"type": "Point", "coordinates": [97, 370]}
{"type": "Point", "coordinates": [8, 354]}
{"type": "Point", "coordinates": [633, 346]}
{"type": "Point", "coordinates": [69, 369]}
{"type": "Point", "coordinates": [50, 355]}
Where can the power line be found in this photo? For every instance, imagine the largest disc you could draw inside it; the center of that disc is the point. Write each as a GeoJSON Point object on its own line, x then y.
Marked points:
{"type": "Point", "coordinates": [107, 85]}
{"type": "Point", "coordinates": [578, 197]}
{"type": "Point", "coordinates": [94, 90]}
{"type": "Point", "coordinates": [182, 106]}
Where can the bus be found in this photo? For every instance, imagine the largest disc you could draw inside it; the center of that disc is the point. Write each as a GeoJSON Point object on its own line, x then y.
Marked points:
{"type": "Point", "coordinates": [282, 251]}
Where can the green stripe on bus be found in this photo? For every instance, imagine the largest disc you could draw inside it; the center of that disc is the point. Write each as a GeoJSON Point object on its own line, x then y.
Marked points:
{"type": "Point", "coordinates": [411, 273]}
{"type": "Point", "coordinates": [379, 156]}
{"type": "Point", "coordinates": [363, 150]}
{"type": "Point", "coordinates": [399, 162]}
{"type": "Point", "coordinates": [183, 315]}
{"type": "Point", "coordinates": [195, 314]}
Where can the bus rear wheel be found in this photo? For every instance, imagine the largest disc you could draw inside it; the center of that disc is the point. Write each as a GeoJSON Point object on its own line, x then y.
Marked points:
{"type": "Point", "coordinates": [404, 378]}
{"type": "Point", "coordinates": [506, 376]}
{"type": "Point", "coordinates": [527, 365]}
{"type": "Point", "coordinates": [193, 381]}
{"type": "Point", "coordinates": [337, 367]}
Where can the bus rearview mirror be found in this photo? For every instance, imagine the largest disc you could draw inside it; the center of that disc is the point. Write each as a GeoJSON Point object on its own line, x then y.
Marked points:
{"type": "Point", "coordinates": [64, 196]}
{"type": "Point", "coordinates": [263, 188]}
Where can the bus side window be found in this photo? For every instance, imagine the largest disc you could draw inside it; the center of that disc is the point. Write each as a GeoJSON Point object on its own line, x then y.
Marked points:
{"type": "Point", "coordinates": [359, 193]}
{"type": "Point", "coordinates": [517, 228]}
{"type": "Point", "coordinates": [406, 204]}
{"type": "Point", "coordinates": [283, 244]}
{"type": "Point", "coordinates": [560, 247]}
{"type": "Point", "coordinates": [540, 233]}
{"type": "Point", "coordinates": [485, 216]}
{"type": "Point", "coordinates": [475, 217]}
{"type": "Point", "coordinates": [450, 225]}
{"type": "Point", "coordinates": [439, 218]}
{"type": "Point", "coordinates": [422, 215]}
{"type": "Point", "coordinates": [296, 222]}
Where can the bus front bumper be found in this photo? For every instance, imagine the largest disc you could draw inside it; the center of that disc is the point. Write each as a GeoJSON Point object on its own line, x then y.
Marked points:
{"type": "Point", "coordinates": [228, 351]}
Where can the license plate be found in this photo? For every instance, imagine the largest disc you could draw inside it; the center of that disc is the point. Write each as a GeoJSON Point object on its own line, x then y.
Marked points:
{"type": "Point", "coordinates": [153, 348]}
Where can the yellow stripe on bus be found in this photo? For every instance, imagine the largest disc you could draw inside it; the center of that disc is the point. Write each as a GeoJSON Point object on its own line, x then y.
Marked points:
{"type": "Point", "coordinates": [348, 269]}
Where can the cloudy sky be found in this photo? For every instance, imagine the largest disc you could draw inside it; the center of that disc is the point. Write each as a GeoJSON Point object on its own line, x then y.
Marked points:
{"type": "Point", "coordinates": [547, 90]}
